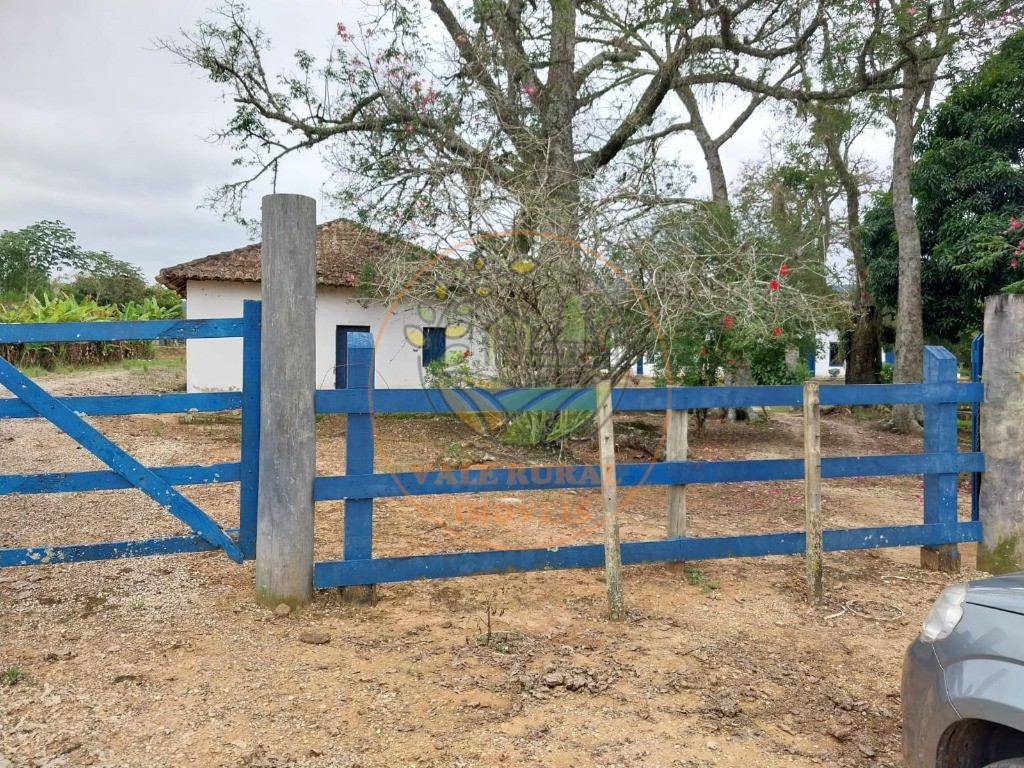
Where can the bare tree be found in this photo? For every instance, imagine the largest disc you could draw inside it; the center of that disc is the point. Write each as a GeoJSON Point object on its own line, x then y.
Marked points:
{"type": "Point", "coordinates": [542, 119]}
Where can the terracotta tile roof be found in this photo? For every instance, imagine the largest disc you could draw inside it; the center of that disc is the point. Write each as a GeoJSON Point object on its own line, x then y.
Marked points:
{"type": "Point", "coordinates": [342, 249]}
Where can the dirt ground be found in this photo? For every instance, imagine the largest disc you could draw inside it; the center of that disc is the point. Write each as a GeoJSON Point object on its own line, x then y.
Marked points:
{"type": "Point", "coordinates": [166, 661]}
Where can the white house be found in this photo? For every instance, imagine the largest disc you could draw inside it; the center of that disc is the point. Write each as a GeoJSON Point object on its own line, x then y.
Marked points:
{"type": "Point", "coordinates": [407, 336]}
{"type": "Point", "coordinates": [828, 356]}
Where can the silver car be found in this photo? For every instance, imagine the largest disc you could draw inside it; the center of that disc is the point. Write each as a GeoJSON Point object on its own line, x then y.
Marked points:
{"type": "Point", "coordinates": [963, 679]}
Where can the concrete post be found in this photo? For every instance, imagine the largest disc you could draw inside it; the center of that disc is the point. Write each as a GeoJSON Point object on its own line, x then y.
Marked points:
{"type": "Point", "coordinates": [284, 529]}
{"type": "Point", "coordinates": [1001, 504]}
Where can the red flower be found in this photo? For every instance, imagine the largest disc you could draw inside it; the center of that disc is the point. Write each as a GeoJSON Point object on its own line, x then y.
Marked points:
{"type": "Point", "coordinates": [1015, 224]}
{"type": "Point", "coordinates": [784, 270]}
{"type": "Point", "coordinates": [466, 353]}
{"type": "Point", "coordinates": [732, 359]}
{"type": "Point", "coordinates": [774, 285]}
{"type": "Point", "coordinates": [728, 322]}
{"type": "Point", "coordinates": [777, 331]}
{"type": "Point", "coordinates": [704, 351]}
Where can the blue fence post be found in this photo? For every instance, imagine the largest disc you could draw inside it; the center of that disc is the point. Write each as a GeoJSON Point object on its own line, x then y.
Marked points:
{"type": "Point", "coordinates": [977, 358]}
{"type": "Point", "coordinates": [359, 448]}
{"type": "Point", "coordinates": [252, 333]}
{"type": "Point", "coordinates": [940, 436]}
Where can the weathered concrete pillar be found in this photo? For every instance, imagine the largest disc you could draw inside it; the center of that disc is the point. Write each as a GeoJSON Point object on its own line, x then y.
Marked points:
{"type": "Point", "coordinates": [284, 529]}
{"type": "Point", "coordinates": [1002, 437]}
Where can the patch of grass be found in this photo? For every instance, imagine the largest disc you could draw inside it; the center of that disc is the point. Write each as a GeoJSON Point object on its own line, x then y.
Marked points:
{"type": "Point", "coordinates": [139, 364]}
{"type": "Point", "coordinates": [500, 642]}
{"type": "Point", "coordinates": [697, 578]}
{"type": "Point", "coordinates": [452, 454]}
{"type": "Point", "coordinates": [11, 674]}
{"type": "Point", "coordinates": [213, 417]}
{"type": "Point", "coordinates": [412, 416]}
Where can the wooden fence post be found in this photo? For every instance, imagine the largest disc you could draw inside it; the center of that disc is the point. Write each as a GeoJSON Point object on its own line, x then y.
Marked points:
{"type": "Point", "coordinates": [609, 500]}
{"type": "Point", "coordinates": [287, 463]}
{"type": "Point", "coordinates": [359, 448]}
{"type": "Point", "coordinates": [940, 436]}
{"type": "Point", "coordinates": [1002, 437]}
{"type": "Point", "coordinates": [676, 450]}
{"type": "Point", "coordinates": [812, 489]}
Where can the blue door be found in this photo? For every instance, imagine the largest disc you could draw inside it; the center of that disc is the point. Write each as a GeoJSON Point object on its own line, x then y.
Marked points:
{"type": "Point", "coordinates": [433, 345]}
{"type": "Point", "coordinates": [341, 353]}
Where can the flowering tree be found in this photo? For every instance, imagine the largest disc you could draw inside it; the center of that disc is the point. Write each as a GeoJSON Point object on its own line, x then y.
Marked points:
{"type": "Point", "coordinates": [545, 120]}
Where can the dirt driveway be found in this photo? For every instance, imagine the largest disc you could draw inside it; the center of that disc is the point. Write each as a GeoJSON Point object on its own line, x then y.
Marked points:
{"type": "Point", "coordinates": [167, 662]}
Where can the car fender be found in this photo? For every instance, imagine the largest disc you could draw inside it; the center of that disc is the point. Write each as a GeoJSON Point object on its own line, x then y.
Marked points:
{"type": "Point", "coordinates": [987, 689]}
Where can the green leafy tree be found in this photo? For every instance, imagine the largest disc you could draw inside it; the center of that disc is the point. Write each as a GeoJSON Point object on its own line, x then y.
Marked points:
{"type": "Point", "coordinates": [166, 299]}
{"type": "Point", "coordinates": [29, 257]}
{"type": "Point", "coordinates": [969, 187]}
{"type": "Point", "coordinates": [107, 280]}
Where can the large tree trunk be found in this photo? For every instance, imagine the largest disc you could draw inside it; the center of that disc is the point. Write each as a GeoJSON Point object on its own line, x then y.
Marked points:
{"type": "Point", "coordinates": [865, 359]}
{"type": "Point", "coordinates": [909, 367]}
{"type": "Point", "coordinates": [864, 362]}
{"type": "Point", "coordinates": [709, 146]}
{"type": "Point", "coordinates": [716, 172]}
{"type": "Point", "coordinates": [557, 209]}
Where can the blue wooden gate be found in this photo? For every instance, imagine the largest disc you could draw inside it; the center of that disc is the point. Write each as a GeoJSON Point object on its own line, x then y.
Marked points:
{"type": "Point", "coordinates": [68, 414]}
{"type": "Point", "coordinates": [940, 464]}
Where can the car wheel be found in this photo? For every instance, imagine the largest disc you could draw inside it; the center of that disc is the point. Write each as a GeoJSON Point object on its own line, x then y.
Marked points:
{"type": "Point", "coordinates": [1013, 762]}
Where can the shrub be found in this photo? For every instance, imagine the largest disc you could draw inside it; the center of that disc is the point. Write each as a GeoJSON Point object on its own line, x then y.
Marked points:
{"type": "Point", "coordinates": [885, 377]}
{"type": "Point", "coordinates": [65, 309]}
{"type": "Point", "coordinates": [452, 371]}
{"type": "Point", "coordinates": [542, 427]}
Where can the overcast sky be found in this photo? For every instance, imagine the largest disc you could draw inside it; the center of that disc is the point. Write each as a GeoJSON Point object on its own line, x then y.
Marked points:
{"type": "Point", "coordinates": [104, 132]}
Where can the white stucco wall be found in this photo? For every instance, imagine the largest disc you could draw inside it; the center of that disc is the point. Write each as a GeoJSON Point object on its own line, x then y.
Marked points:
{"type": "Point", "coordinates": [216, 364]}
{"type": "Point", "coordinates": [821, 360]}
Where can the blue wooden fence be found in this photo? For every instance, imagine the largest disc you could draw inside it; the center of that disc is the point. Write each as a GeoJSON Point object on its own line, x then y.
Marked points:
{"type": "Point", "coordinates": [126, 472]}
{"type": "Point", "coordinates": [940, 464]}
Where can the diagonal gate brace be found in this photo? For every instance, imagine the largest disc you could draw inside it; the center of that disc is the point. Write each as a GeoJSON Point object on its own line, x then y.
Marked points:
{"type": "Point", "coordinates": [115, 457]}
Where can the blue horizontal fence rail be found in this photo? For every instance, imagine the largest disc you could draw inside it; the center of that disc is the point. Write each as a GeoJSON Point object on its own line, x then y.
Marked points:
{"type": "Point", "coordinates": [119, 330]}
{"type": "Point", "coordinates": [125, 472]}
{"type": "Point", "coordinates": [344, 573]}
{"type": "Point", "coordinates": [534, 478]}
{"type": "Point", "coordinates": [660, 399]}
{"type": "Point", "coordinates": [940, 464]}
